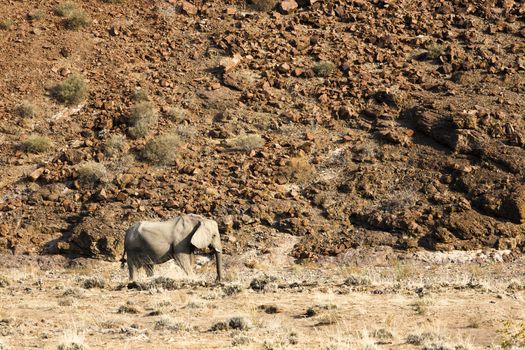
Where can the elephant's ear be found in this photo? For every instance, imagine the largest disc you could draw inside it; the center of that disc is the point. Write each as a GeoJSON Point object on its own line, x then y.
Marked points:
{"type": "Point", "coordinates": [203, 235]}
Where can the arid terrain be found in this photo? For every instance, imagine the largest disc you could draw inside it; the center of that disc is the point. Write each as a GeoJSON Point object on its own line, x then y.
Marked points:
{"type": "Point", "coordinates": [311, 131]}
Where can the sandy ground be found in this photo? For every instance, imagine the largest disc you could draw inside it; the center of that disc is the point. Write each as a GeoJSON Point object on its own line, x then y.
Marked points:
{"type": "Point", "coordinates": [395, 304]}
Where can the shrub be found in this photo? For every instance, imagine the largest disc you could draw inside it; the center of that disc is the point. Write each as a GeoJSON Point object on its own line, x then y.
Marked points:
{"type": "Point", "coordinates": [35, 15]}
{"type": "Point", "coordinates": [143, 117]}
{"type": "Point", "coordinates": [127, 309]}
{"type": "Point", "coordinates": [140, 94]}
{"type": "Point", "coordinates": [262, 5]}
{"type": "Point", "coordinates": [176, 114]}
{"type": "Point", "coordinates": [71, 91]}
{"type": "Point", "coordinates": [165, 322]}
{"type": "Point", "coordinates": [74, 17]}
{"type": "Point", "coordinates": [71, 341]}
{"type": "Point", "coordinates": [25, 109]}
{"type": "Point", "coordinates": [434, 51]}
{"type": "Point", "coordinates": [115, 144]}
{"type": "Point", "coordinates": [298, 170]}
{"type": "Point", "coordinates": [94, 282]}
{"type": "Point", "coordinates": [161, 149]}
{"type": "Point", "coordinates": [246, 142]}
{"type": "Point", "coordinates": [4, 282]}
{"type": "Point", "coordinates": [6, 24]}
{"type": "Point", "coordinates": [91, 173]}
{"type": "Point", "coordinates": [324, 68]}
{"type": "Point", "coordinates": [36, 144]}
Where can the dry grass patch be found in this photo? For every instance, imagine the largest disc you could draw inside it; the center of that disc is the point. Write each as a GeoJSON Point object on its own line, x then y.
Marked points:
{"type": "Point", "coordinates": [143, 118]}
{"type": "Point", "coordinates": [71, 91]}
{"type": "Point", "coordinates": [246, 142]}
{"type": "Point", "coordinates": [92, 173]}
{"type": "Point", "coordinates": [71, 340]}
{"type": "Point", "coordinates": [262, 5]}
{"type": "Point", "coordinates": [162, 150]}
{"type": "Point", "coordinates": [35, 15]}
{"type": "Point", "coordinates": [298, 170]}
{"type": "Point", "coordinates": [434, 51]}
{"type": "Point", "coordinates": [324, 68]}
{"type": "Point", "coordinates": [6, 23]}
{"type": "Point", "coordinates": [74, 17]}
{"type": "Point", "coordinates": [37, 144]}
{"type": "Point", "coordinates": [115, 145]}
{"type": "Point", "coordinates": [26, 109]}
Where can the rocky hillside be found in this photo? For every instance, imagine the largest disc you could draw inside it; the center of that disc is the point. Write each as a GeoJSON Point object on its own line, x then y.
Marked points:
{"type": "Point", "coordinates": [347, 123]}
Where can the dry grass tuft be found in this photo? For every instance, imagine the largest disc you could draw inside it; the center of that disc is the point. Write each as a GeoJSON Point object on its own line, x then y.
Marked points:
{"type": "Point", "coordinates": [26, 109]}
{"type": "Point", "coordinates": [37, 144]}
{"type": "Point", "coordinates": [262, 5]}
{"type": "Point", "coordinates": [4, 282]}
{"type": "Point", "coordinates": [6, 23]}
{"type": "Point", "coordinates": [434, 51]}
{"type": "Point", "coordinates": [71, 91]}
{"type": "Point", "coordinates": [92, 173]}
{"type": "Point", "coordinates": [143, 118]}
{"type": "Point", "coordinates": [115, 145]}
{"type": "Point", "coordinates": [74, 17]}
{"type": "Point", "coordinates": [94, 282]}
{"type": "Point", "coordinates": [246, 142]}
{"type": "Point", "coordinates": [324, 69]}
{"type": "Point", "coordinates": [298, 170]}
{"type": "Point", "coordinates": [71, 340]}
{"type": "Point", "coordinates": [127, 309]}
{"type": "Point", "coordinates": [162, 150]}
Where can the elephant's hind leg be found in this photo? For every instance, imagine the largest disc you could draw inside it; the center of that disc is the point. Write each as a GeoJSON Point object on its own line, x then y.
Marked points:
{"type": "Point", "coordinates": [132, 268]}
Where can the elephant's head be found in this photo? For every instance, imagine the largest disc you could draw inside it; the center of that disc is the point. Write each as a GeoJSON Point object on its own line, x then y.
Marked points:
{"type": "Point", "coordinates": [206, 234]}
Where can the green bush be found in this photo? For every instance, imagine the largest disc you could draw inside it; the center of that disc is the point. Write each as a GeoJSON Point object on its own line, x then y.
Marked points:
{"type": "Point", "coordinates": [36, 144]}
{"type": "Point", "coordinates": [74, 17]}
{"type": "Point", "coordinates": [143, 117]}
{"type": "Point", "coordinates": [71, 91]}
{"type": "Point", "coordinates": [162, 149]}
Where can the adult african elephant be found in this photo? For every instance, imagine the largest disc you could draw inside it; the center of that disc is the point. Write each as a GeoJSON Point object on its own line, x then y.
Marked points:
{"type": "Point", "coordinates": [153, 242]}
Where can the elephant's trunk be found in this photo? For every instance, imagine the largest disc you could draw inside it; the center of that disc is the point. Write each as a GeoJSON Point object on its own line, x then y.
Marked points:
{"type": "Point", "coordinates": [218, 260]}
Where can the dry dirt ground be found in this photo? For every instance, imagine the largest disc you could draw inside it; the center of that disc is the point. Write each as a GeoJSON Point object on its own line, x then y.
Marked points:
{"type": "Point", "coordinates": [366, 300]}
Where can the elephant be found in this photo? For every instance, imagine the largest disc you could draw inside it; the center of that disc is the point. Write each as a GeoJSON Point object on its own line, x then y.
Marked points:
{"type": "Point", "coordinates": [148, 243]}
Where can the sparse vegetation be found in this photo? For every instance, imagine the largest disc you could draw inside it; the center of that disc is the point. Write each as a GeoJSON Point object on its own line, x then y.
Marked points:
{"type": "Point", "coordinates": [162, 150]}
{"type": "Point", "coordinates": [166, 322]}
{"type": "Point", "coordinates": [37, 144]}
{"type": "Point", "coordinates": [246, 142]}
{"type": "Point", "coordinates": [324, 69]}
{"type": "Point", "coordinates": [6, 23]}
{"type": "Point", "coordinates": [127, 309]}
{"type": "Point", "coordinates": [91, 173]}
{"type": "Point", "coordinates": [25, 109]}
{"type": "Point", "coordinates": [262, 5]}
{"type": "Point", "coordinates": [74, 17]}
{"type": "Point", "coordinates": [298, 170]}
{"type": "Point", "coordinates": [35, 15]}
{"type": "Point", "coordinates": [143, 118]}
{"type": "Point", "coordinates": [71, 340]}
{"type": "Point", "coordinates": [4, 281]}
{"type": "Point", "coordinates": [356, 280]}
{"type": "Point", "coordinates": [512, 334]}
{"type": "Point", "coordinates": [115, 145]}
{"type": "Point", "coordinates": [94, 282]}
{"type": "Point", "coordinates": [71, 91]}
{"type": "Point", "coordinates": [140, 94]}
{"type": "Point", "coordinates": [176, 114]}
{"type": "Point", "coordinates": [434, 51]}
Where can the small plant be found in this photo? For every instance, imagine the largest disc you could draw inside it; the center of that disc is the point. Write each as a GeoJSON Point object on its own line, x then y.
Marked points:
{"type": "Point", "coordinates": [298, 170]}
{"type": "Point", "coordinates": [37, 144]}
{"type": "Point", "coordinates": [262, 5]}
{"type": "Point", "coordinates": [91, 173]}
{"type": "Point", "coordinates": [246, 142]}
{"type": "Point", "coordinates": [4, 282]}
{"type": "Point", "coordinates": [176, 114]}
{"type": "Point", "coordinates": [162, 149]}
{"type": "Point", "coordinates": [324, 68]}
{"type": "Point", "coordinates": [140, 94]}
{"type": "Point", "coordinates": [115, 144]}
{"type": "Point", "coordinates": [512, 334]}
{"type": "Point", "coordinates": [127, 309]}
{"type": "Point", "coordinates": [71, 340]}
{"type": "Point", "coordinates": [232, 289]}
{"type": "Point", "coordinates": [94, 282]}
{"type": "Point", "coordinates": [241, 323]}
{"type": "Point", "coordinates": [25, 110]}
{"type": "Point", "coordinates": [434, 51]}
{"type": "Point", "coordinates": [356, 280]}
{"type": "Point", "coordinates": [422, 306]}
{"type": "Point", "coordinates": [6, 24]}
{"type": "Point", "coordinates": [165, 322]}
{"type": "Point", "coordinates": [35, 15]}
{"type": "Point", "coordinates": [71, 91]}
{"type": "Point", "coordinates": [74, 17]}
{"type": "Point", "coordinates": [143, 117]}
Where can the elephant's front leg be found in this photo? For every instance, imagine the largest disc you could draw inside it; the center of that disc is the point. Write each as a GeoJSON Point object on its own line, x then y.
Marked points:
{"type": "Point", "coordinates": [184, 261]}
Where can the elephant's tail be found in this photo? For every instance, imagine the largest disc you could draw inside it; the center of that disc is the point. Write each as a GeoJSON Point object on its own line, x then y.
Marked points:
{"type": "Point", "coordinates": [123, 260]}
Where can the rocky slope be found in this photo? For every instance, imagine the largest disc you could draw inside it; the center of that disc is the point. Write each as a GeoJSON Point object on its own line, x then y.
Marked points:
{"type": "Point", "coordinates": [346, 123]}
